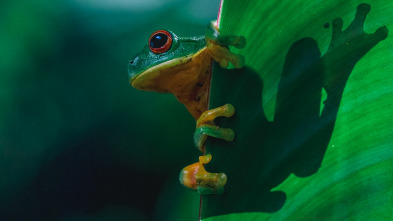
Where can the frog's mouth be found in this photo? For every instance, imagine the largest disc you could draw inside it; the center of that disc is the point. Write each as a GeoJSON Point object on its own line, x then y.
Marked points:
{"type": "Point", "coordinates": [163, 76]}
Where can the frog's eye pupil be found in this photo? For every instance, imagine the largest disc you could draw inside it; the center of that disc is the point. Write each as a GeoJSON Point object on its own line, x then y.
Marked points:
{"type": "Point", "coordinates": [160, 41]}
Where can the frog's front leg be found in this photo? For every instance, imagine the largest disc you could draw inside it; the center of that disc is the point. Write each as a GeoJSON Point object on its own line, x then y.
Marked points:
{"type": "Point", "coordinates": [206, 127]}
{"type": "Point", "coordinates": [217, 45]}
{"type": "Point", "coordinates": [197, 178]}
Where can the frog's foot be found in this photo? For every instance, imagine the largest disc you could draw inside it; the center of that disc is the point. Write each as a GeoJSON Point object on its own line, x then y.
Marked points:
{"type": "Point", "coordinates": [187, 176]}
{"type": "Point", "coordinates": [206, 127]}
{"type": "Point", "coordinates": [197, 178]}
{"type": "Point", "coordinates": [214, 35]}
{"type": "Point", "coordinates": [217, 45]}
{"type": "Point", "coordinates": [223, 56]}
{"type": "Point", "coordinates": [209, 183]}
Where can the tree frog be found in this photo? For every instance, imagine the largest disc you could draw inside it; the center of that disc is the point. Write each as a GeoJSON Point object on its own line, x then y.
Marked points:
{"type": "Point", "coordinates": [182, 66]}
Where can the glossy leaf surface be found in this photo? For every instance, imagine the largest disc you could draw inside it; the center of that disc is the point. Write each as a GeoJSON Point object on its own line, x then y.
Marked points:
{"type": "Point", "coordinates": [313, 122]}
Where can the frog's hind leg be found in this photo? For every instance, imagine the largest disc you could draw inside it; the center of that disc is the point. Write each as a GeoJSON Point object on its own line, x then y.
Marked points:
{"type": "Point", "coordinates": [187, 176]}
{"type": "Point", "coordinates": [197, 178]}
{"type": "Point", "coordinates": [206, 127]}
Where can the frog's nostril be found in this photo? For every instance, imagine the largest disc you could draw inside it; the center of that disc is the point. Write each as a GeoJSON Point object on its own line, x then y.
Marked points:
{"type": "Point", "coordinates": [131, 62]}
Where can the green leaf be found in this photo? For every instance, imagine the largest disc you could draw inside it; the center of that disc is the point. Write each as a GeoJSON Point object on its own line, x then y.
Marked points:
{"type": "Point", "coordinates": [313, 122]}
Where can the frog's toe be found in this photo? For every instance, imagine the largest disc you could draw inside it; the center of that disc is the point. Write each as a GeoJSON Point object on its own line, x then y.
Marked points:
{"type": "Point", "coordinates": [239, 61]}
{"type": "Point", "coordinates": [223, 55]}
{"type": "Point", "coordinates": [209, 183]}
{"type": "Point", "coordinates": [212, 183]}
{"type": "Point", "coordinates": [203, 131]}
{"type": "Point", "coordinates": [206, 127]}
{"type": "Point", "coordinates": [224, 63]}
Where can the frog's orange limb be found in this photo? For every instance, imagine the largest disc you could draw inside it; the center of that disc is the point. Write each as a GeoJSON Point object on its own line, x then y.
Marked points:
{"type": "Point", "coordinates": [187, 176]}
{"type": "Point", "coordinates": [223, 55]}
{"type": "Point", "coordinates": [197, 178]}
{"type": "Point", "coordinates": [226, 110]}
{"type": "Point", "coordinates": [206, 127]}
{"type": "Point", "coordinates": [209, 183]}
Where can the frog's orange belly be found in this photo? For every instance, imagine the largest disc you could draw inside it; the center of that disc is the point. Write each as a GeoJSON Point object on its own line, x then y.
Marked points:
{"type": "Point", "coordinates": [188, 78]}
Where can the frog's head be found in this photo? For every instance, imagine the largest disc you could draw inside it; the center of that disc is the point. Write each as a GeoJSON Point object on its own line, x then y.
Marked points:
{"type": "Point", "coordinates": [164, 51]}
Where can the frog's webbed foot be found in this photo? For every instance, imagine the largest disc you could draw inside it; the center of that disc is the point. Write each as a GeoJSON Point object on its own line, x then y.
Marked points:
{"type": "Point", "coordinates": [206, 127]}
{"type": "Point", "coordinates": [197, 178]}
{"type": "Point", "coordinates": [217, 45]}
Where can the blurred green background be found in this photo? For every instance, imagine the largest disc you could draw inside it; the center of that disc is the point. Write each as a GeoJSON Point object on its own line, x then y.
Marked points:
{"type": "Point", "coordinates": [77, 142]}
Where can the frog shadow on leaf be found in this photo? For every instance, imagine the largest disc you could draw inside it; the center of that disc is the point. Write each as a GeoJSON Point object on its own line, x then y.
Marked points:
{"type": "Point", "coordinates": [298, 137]}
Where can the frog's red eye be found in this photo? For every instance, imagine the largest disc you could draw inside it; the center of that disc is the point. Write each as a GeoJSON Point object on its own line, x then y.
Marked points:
{"type": "Point", "coordinates": [160, 41]}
